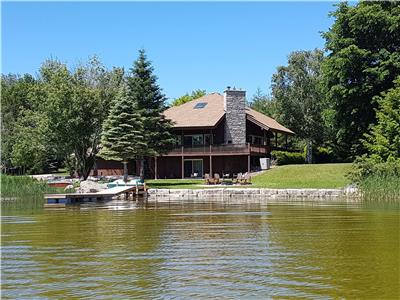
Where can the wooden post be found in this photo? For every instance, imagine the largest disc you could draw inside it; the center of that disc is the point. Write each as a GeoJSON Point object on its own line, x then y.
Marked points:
{"type": "Point", "coordinates": [183, 171]}
{"type": "Point", "coordinates": [276, 140]}
{"type": "Point", "coordinates": [155, 167]}
{"type": "Point", "coordinates": [286, 145]}
{"type": "Point", "coordinates": [248, 163]}
{"type": "Point", "coordinates": [211, 174]}
{"type": "Point", "coordinates": [125, 171]}
{"type": "Point", "coordinates": [264, 141]}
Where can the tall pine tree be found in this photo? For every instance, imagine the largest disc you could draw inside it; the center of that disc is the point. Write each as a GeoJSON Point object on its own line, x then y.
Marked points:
{"type": "Point", "coordinates": [122, 137]}
{"type": "Point", "coordinates": [144, 90]}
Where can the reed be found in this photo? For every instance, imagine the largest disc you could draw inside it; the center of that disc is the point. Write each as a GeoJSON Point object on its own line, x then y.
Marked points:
{"type": "Point", "coordinates": [380, 188]}
{"type": "Point", "coordinates": [23, 187]}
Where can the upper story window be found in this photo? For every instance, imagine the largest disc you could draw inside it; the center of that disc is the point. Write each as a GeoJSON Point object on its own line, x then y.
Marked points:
{"type": "Point", "coordinates": [200, 105]}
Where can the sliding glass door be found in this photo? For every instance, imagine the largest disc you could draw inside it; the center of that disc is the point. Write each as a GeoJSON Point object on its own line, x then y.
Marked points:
{"type": "Point", "coordinates": [193, 168]}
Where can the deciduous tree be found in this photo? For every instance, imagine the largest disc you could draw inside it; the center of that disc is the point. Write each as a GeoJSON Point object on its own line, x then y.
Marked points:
{"type": "Point", "coordinates": [76, 104]}
{"type": "Point", "coordinates": [297, 90]}
{"type": "Point", "coordinates": [188, 97]}
{"type": "Point", "coordinates": [263, 103]}
{"type": "Point", "coordinates": [363, 59]}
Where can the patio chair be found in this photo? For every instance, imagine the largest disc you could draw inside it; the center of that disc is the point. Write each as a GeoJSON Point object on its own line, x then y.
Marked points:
{"type": "Point", "coordinates": [216, 178]}
{"type": "Point", "coordinates": [246, 179]}
{"type": "Point", "coordinates": [208, 179]}
{"type": "Point", "coordinates": [238, 178]}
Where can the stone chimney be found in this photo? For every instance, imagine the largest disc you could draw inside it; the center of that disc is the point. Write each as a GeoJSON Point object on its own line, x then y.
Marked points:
{"type": "Point", "coordinates": [235, 116]}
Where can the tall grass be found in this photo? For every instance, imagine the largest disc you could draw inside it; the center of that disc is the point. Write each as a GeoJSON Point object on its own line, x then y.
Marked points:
{"type": "Point", "coordinates": [24, 187]}
{"type": "Point", "coordinates": [380, 188]}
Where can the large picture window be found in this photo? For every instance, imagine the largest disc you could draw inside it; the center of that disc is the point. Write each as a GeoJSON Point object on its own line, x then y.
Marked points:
{"type": "Point", "coordinates": [194, 140]}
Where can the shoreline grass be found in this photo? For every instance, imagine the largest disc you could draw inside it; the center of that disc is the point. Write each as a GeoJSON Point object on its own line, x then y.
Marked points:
{"type": "Point", "coordinates": [384, 188]}
{"type": "Point", "coordinates": [23, 187]}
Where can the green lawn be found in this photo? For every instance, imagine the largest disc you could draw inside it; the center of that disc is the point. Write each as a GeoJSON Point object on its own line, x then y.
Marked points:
{"type": "Point", "coordinates": [290, 176]}
{"type": "Point", "coordinates": [304, 176]}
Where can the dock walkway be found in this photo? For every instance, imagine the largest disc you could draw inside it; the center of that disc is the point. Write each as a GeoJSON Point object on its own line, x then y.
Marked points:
{"type": "Point", "coordinates": [107, 194]}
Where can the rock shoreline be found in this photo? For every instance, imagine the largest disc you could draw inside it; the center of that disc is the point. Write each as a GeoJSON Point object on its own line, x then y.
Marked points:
{"type": "Point", "coordinates": [253, 192]}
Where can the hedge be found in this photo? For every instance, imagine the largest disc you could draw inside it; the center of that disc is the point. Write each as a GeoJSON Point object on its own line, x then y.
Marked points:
{"type": "Point", "coordinates": [288, 158]}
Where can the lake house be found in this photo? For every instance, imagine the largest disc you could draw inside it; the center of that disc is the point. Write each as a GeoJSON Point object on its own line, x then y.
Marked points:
{"type": "Point", "coordinates": [213, 134]}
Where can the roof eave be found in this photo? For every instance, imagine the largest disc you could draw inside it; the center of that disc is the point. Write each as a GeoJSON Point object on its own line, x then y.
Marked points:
{"type": "Point", "coordinates": [262, 125]}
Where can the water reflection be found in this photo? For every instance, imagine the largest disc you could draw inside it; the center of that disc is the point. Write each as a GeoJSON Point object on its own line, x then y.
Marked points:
{"type": "Point", "coordinates": [201, 249]}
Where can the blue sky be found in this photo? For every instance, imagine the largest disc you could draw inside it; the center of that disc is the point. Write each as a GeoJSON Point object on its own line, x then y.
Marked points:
{"type": "Point", "coordinates": [201, 45]}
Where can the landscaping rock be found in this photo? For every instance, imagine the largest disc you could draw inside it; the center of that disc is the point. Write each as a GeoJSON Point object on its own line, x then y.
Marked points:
{"type": "Point", "coordinates": [91, 187]}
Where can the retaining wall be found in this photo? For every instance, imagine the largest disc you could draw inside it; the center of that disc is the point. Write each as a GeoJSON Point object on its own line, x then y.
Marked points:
{"type": "Point", "coordinates": [252, 192]}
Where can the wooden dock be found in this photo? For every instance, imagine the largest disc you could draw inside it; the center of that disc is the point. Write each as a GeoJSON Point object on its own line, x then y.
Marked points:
{"type": "Point", "coordinates": [57, 200]}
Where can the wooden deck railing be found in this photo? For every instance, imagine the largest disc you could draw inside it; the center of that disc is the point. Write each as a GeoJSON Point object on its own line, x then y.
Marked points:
{"type": "Point", "coordinates": [222, 149]}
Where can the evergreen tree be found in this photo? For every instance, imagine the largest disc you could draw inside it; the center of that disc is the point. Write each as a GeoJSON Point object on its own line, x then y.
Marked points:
{"type": "Point", "coordinates": [383, 142]}
{"type": "Point", "coordinates": [144, 90]}
{"type": "Point", "coordinates": [122, 137]}
{"type": "Point", "coordinates": [264, 103]}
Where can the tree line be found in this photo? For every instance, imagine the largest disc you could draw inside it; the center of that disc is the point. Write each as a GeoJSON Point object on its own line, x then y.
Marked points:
{"type": "Point", "coordinates": [342, 98]}
{"type": "Point", "coordinates": [69, 117]}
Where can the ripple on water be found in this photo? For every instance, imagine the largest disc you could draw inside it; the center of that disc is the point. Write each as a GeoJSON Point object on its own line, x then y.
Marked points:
{"type": "Point", "coordinates": [201, 250]}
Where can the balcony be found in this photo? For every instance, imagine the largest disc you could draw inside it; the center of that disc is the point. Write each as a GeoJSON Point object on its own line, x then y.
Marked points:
{"type": "Point", "coordinates": [219, 150]}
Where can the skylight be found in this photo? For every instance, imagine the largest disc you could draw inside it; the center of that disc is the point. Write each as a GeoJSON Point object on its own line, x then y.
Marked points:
{"type": "Point", "coordinates": [200, 105]}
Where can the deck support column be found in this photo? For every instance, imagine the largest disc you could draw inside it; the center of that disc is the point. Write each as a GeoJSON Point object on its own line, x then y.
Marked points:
{"type": "Point", "coordinates": [211, 173]}
{"type": "Point", "coordinates": [155, 167]}
{"type": "Point", "coordinates": [183, 169]}
{"type": "Point", "coordinates": [248, 163]}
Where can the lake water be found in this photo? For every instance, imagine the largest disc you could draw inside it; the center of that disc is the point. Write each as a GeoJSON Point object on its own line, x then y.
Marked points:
{"type": "Point", "coordinates": [201, 250]}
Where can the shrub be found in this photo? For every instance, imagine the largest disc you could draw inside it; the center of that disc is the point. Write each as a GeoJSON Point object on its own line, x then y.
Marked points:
{"type": "Point", "coordinates": [288, 158]}
{"type": "Point", "coordinates": [364, 167]}
{"type": "Point", "coordinates": [323, 155]}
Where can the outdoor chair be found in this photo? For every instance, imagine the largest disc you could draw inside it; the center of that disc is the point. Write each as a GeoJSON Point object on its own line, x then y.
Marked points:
{"type": "Point", "coordinates": [216, 178]}
{"type": "Point", "coordinates": [246, 178]}
{"type": "Point", "coordinates": [238, 178]}
{"type": "Point", "coordinates": [208, 179]}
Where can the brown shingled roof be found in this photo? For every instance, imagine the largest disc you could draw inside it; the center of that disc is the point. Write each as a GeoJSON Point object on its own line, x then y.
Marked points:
{"type": "Point", "coordinates": [265, 121]}
{"type": "Point", "coordinates": [186, 116]}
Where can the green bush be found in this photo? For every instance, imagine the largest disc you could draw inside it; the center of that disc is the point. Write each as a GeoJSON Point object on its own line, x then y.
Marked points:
{"type": "Point", "coordinates": [323, 155]}
{"type": "Point", "coordinates": [364, 167]}
{"type": "Point", "coordinates": [288, 158]}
